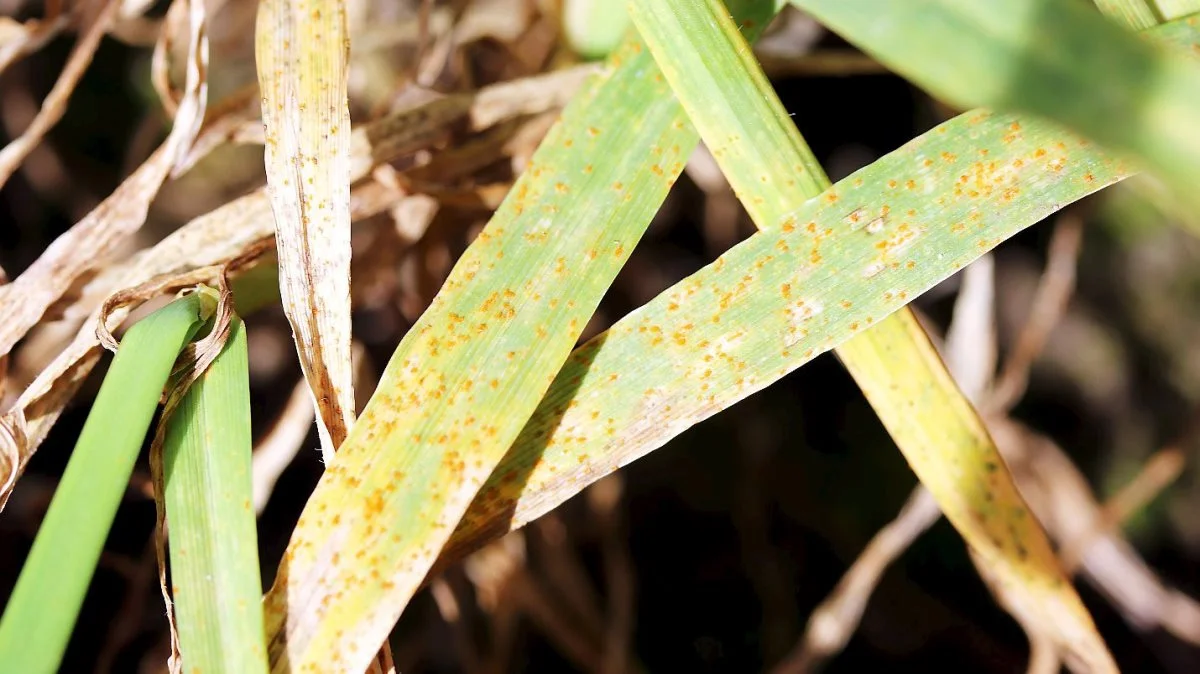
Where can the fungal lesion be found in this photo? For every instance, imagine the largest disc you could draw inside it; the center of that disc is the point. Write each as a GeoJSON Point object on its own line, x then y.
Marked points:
{"type": "Point", "coordinates": [798, 314]}
{"type": "Point", "coordinates": [873, 269]}
{"type": "Point", "coordinates": [855, 217]}
{"type": "Point", "coordinates": [863, 219]}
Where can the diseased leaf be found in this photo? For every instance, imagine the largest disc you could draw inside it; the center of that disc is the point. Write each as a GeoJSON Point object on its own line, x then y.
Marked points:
{"type": "Point", "coordinates": [302, 47]}
{"type": "Point", "coordinates": [751, 136]}
{"type": "Point", "coordinates": [952, 453]}
{"type": "Point", "coordinates": [1056, 58]}
{"type": "Point", "coordinates": [960, 208]}
{"type": "Point", "coordinates": [471, 370]}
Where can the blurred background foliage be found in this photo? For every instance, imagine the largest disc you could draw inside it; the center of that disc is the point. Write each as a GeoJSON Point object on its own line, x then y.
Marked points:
{"type": "Point", "coordinates": [713, 551]}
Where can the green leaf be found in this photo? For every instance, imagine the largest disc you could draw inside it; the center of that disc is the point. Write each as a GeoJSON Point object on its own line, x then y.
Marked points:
{"type": "Point", "coordinates": [1056, 58]}
{"type": "Point", "coordinates": [594, 28]}
{"type": "Point", "coordinates": [41, 612]}
{"type": "Point", "coordinates": [214, 550]}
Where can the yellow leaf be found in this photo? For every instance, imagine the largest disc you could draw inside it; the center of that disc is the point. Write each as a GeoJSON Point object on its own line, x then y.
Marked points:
{"type": "Point", "coordinates": [302, 47]}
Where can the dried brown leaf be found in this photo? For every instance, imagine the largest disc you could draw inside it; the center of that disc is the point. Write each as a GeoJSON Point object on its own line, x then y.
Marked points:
{"type": "Point", "coordinates": [234, 120]}
{"type": "Point", "coordinates": [97, 17]}
{"type": "Point", "coordinates": [6, 357]}
{"type": "Point", "coordinates": [174, 24]}
{"type": "Point", "coordinates": [1049, 304]}
{"type": "Point", "coordinates": [25, 300]}
{"type": "Point", "coordinates": [12, 440]}
{"type": "Point", "coordinates": [970, 346]}
{"type": "Point", "coordinates": [237, 229]}
{"type": "Point", "coordinates": [834, 621]}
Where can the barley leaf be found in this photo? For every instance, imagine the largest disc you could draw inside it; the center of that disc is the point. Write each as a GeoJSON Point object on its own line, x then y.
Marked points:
{"type": "Point", "coordinates": [214, 550]}
{"type": "Point", "coordinates": [41, 612]}
{"type": "Point", "coordinates": [1056, 58]}
{"type": "Point", "coordinates": [469, 373]}
{"type": "Point", "coordinates": [751, 136]}
{"type": "Point", "coordinates": [668, 365]}
{"type": "Point", "coordinates": [302, 48]}
{"type": "Point", "coordinates": [1136, 14]}
{"type": "Point", "coordinates": [1169, 10]}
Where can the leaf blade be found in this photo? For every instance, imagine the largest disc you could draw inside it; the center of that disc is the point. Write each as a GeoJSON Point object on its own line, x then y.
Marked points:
{"type": "Point", "coordinates": [548, 464]}
{"type": "Point", "coordinates": [41, 612]}
{"type": "Point", "coordinates": [520, 295]}
{"type": "Point", "coordinates": [302, 48]}
{"type": "Point", "coordinates": [383, 424]}
{"type": "Point", "coordinates": [214, 551]}
{"type": "Point", "coordinates": [893, 362]}
{"type": "Point", "coordinates": [544, 467]}
{"type": "Point", "coordinates": [1056, 58]}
